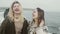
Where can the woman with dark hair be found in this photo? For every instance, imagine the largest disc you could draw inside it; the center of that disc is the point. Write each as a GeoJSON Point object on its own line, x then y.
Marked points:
{"type": "Point", "coordinates": [14, 23]}
{"type": "Point", "coordinates": [38, 24]}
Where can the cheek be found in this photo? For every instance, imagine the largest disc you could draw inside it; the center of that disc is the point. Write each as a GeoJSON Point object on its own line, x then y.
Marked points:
{"type": "Point", "coordinates": [13, 9]}
{"type": "Point", "coordinates": [20, 8]}
{"type": "Point", "coordinates": [36, 15]}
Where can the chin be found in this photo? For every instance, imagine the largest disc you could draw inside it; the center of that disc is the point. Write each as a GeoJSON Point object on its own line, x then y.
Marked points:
{"type": "Point", "coordinates": [17, 12]}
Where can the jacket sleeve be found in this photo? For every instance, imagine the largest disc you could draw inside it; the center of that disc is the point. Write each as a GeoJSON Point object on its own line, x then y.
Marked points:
{"type": "Point", "coordinates": [3, 26]}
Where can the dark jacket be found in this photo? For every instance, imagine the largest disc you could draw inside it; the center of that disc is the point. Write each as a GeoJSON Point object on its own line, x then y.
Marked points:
{"type": "Point", "coordinates": [8, 27]}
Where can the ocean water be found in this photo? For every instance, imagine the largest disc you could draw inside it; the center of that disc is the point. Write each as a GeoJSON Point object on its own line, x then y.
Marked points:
{"type": "Point", "coordinates": [52, 19]}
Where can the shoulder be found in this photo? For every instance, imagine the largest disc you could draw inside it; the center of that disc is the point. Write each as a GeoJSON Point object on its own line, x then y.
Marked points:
{"type": "Point", "coordinates": [45, 28]}
{"type": "Point", "coordinates": [5, 21]}
{"type": "Point", "coordinates": [26, 21]}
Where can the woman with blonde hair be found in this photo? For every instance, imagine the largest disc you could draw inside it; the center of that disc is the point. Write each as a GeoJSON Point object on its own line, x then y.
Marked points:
{"type": "Point", "coordinates": [14, 23]}
{"type": "Point", "coordinates": [37, 26]}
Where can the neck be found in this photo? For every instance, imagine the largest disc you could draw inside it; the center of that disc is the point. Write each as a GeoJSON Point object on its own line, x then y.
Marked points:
{"type": "Point", "coordinates": [42, 23]}
{"type": "Point", "coordinates": [16, 15]}
{"type": "Point", "coordinates": [36, 21]}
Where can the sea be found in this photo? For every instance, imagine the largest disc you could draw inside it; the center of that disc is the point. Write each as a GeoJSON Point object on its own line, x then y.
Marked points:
{"type": "Point", "coordinates": [52, 19]}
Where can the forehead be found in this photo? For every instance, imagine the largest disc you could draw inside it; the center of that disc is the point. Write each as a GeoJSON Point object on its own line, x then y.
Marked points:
{"type": "Point", "coordinates": [16, 4]}
{"type": "Point", "coordinates": [35, 10]}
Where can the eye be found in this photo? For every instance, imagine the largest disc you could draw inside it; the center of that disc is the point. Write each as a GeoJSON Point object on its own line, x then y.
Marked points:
{"type": "Point", "coordinates": [14, 6]}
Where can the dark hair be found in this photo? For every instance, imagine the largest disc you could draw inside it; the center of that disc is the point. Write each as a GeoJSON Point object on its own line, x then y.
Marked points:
{"type": "Point", "coordinates": [40, 16]}
{"type": "Point", "coordinates": [15, 3]}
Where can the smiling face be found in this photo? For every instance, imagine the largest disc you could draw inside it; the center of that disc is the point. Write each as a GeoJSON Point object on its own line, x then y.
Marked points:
{"type": "Point", "coordinates": [17, 8]}
{"type": "Point", "coordinates": [35, 14]}
{"type": "Point", "coordinates": [38, 14]}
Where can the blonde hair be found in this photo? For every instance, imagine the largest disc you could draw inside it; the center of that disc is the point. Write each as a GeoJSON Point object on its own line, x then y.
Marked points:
{"type": "Point", "coordinates": [11, 13]}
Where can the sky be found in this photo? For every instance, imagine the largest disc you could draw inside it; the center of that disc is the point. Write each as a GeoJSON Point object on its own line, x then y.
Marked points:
{"type": "Point", "coordinates": [47, 5]}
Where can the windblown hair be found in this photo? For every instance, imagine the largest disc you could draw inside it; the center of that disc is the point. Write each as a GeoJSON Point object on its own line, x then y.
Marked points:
{"type": "Point", "coordinates": [11, 13]}
{"type": "Point", "coordinates": [40, 16]}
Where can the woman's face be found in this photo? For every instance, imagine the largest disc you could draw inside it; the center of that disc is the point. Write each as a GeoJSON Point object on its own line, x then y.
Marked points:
{"type": "Point", "coordinates": [35, 14]}
{"type": "Point", "coordinates": [17, 8]}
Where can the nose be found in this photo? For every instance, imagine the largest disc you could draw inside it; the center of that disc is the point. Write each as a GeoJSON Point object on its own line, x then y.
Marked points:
{"type": "Point", "coordinates": [16, 7]}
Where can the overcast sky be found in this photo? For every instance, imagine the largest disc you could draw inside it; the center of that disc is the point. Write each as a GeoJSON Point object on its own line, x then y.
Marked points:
{"type": "Point", "coordinates": [47, 5]}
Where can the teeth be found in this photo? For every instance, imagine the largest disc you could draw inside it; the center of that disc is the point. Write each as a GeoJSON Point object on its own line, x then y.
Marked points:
{"type": "Point", "coordinates": [16, 9]}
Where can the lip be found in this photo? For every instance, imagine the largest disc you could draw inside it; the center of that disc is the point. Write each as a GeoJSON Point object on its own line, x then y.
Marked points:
{"type": "Point", "coordinates": [17, 10]}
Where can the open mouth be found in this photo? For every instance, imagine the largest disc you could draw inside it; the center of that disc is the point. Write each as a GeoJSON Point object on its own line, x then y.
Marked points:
{"type": "Point", "coordinates": [17, 10]}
